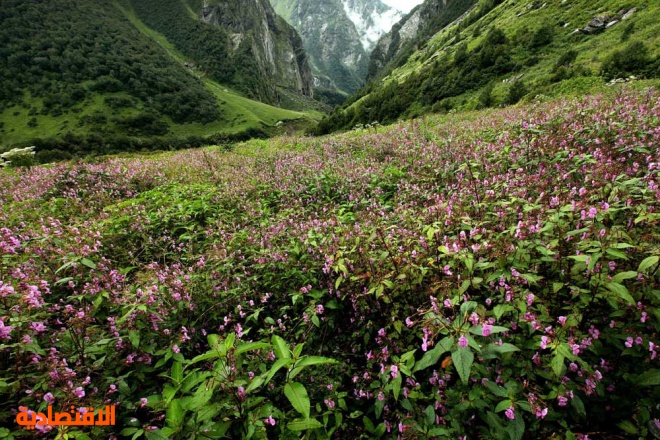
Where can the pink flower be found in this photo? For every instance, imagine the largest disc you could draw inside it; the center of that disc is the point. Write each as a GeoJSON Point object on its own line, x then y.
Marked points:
{"type": "Point", "coordinates": [143, 402]}
{"type": "Point", "coordinates": [544, 342]}
{"type": "Point", "coordinates": [562, 401]}
{"type": "Point", "coordinates": [541, 413]}
{"type": "Point", "coordinates": [510, 414]}
{"type": "Point", "coordinates": [79, 392]}
{"type": "Point", "coordinates": [463, 341]}
{"type": "Point", "coordinates": [394, 370]}
{"type": "Point", "coordinates": [49, 398]}
{"type": "Point", "coordinates": [5, 330]}
{"type": "Point", "coordinates": [270, 421]}
{"type": "Point", "coordinates": [486, 329]}
{"type": "Point", "coordinates": [176, 349]}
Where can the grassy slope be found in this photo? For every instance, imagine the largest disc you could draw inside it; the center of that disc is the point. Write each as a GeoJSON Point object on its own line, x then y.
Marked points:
{"type": "Point", "coordinates": [242, 113]}
{"type": "Point", "coordinates": [592, 49]}
{"type": "Point", "coordinates": [238, 113]}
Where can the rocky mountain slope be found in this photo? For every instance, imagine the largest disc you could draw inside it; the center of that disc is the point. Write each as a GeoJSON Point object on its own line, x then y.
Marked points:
{"type": "Point", "coordinates": [420, 24]}
{"type": "Point", "coordinates": [241, 43]}
{"type": "Point", "coordinates": [109, 76]}
{"type": "Point", "coordinates": [499, 52]}
{"type": "Point", "coordinates": [338, 36]}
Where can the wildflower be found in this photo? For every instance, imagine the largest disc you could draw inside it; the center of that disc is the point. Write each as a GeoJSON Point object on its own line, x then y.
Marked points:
{"type": "Point", "coordinates": [49, 398]}
{"type": "Point", "coordinates": [486, 329]}
{"type": "Point", "coordinates": [394, 370]}
{"type": "Point", "coordinates": [463, 341]}
{"type": "Point", "coordinates": [143, 402]}
{"type": "Point", "coordinates": [409, 322]}
{"type": "Point", "coordinates": [5, 330]}
{"type": "Point", "coordinates": [544, 342]}
{"type": "Point", "coordinates": [629, 342]}
{"type": "Point", "coordinates": [563, 401]}
{"type": "Point", "coordinates": [381, 333]}
{"type": "Point", "coordinates": [241, 393]}
{"type": "Point", "coordinates": [176, 349]}
{"type": "Point", "coordinates": [510, 414]}
{"type": "Point", "coordinates": [79, 392]}
{"type": "Point", "coordinates": [541, 413]}
{"type": "Point", "coordinates": [270, 421]}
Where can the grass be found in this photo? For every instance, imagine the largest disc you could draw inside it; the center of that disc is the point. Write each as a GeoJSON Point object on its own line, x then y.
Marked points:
{"type": "Point", "coordinates": [512, 16]}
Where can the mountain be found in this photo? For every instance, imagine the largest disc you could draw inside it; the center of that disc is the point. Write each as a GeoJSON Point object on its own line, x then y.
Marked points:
{"type": "Point", "coordinates": [338, 36]}
{"type": "Point", "coordinates": [465, 54]}
{"type": "Point", "coordinates": [419, 25]}
{"type": "Point", "coordinates": [244, 44]}
{"type": "Point", "coordinates": [108, 76]}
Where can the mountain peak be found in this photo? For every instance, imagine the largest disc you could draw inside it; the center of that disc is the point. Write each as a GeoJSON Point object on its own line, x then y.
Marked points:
{"type": "Point", "coordinates": [372, 19]}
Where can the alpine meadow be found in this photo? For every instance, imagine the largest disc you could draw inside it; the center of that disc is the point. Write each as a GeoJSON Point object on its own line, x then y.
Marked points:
{"type": "Point", "coordinates": [311, 219]}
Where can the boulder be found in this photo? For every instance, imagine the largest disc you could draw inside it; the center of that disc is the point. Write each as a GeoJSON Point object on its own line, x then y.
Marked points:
{"type": "Point", "coordinates": [629, 14]}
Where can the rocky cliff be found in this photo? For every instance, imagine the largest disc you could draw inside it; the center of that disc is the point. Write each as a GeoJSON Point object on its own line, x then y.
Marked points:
{"type": "Point", "coordinates": [419, 25]}
{"type": "Point", "coordinates": [277, 48]}
{"type": "Point", "coordinates": [338, 36]}
{"type": "Point", "coordinates": [242, 44]}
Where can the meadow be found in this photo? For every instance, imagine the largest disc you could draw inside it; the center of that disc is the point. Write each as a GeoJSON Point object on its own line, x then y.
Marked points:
{"type": "Point", "coordinates": [486, 275]}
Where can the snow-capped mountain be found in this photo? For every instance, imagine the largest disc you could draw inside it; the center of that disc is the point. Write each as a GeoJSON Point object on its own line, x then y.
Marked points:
{"type": "Point", "coordinates": [372, 19]}
{"type": "Point", "coordinates": [338, 36]}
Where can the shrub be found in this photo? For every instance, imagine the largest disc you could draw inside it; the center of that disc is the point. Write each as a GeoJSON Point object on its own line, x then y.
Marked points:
{"type": "Point", "coordinates": [634, 59]}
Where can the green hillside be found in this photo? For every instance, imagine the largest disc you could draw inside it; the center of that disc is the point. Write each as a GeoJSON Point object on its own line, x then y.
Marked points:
{"type": "Point", "coordinates": [504, 52]}
{"type": "Point", "coordinates": [78, 76]}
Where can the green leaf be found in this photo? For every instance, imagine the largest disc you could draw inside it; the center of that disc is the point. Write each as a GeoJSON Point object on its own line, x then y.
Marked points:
{"type": "Point", "coordinates": [578, 406]}
{"type": "Point", "coordinates": [616, 253]}
{"type": "Point", "coordinates": [396, 387]}
{"type": "Point", "coordinates": [430, 415]}
{"type": "Point", "coordinates": [134, 337]}
{"type": "Point", "coordinates": [649, 379]}
{"type": "Point", "coordinates": [624, 276]}
{"type": "Point", "coordinates": [503, 405]}
{"type": "Point", "coordinates": [276, 367]}
{"type": "Point", "coordinates": [648, 263]}
{"type": "Point", "coordinates": [89, 263]}
{"type": "Point", "coordinates": [251, 346]}
{"type": "Point", "coordinates": [304, 424]}
{"type": "Point", "coordinates": [297, 395]}
{"type": "Point", "coordinates": [516, 428]}
{"type": "Point", "coordinates": [432, 356]}
{"type": "Point", "coordinates": [496, 389]}
{"type": "Point", "coordinates": [314, 360]}
{"type": "Point", "coordinates": [309, 360]}
{"type": "Point", "coordinates": [628, 427]}
{"type": "Point", "coordinates": [177, 372]}
{"type": "Point", "coordinates": [620, 291]}
{"type": "Point", "coordinates": [281, 348]}
{"type": "Point", "coordinates": [558, 364]}
{"type": "Point", "coordinates": [174, 414]}
{"type": "Point", "coordinates": [229, 342]}
{"type": "Point", "coordinates": [493, 351]}
{"type": "Point", "coordinates": [463, 358]}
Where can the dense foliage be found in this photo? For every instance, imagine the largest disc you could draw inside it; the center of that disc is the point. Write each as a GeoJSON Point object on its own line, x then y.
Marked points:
{"type": "Point", "coordinates": [492, 276]}
{"type": "Point", "coordinates": [57, 54]}
{"type": "Point", "coordinates": [207, 46]}
{"type": "Point", "coordinates": [500, 43]}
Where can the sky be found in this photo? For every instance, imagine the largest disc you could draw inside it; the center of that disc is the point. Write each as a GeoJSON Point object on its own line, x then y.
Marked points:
{"type": "Point", "coordinates": [403, 5]}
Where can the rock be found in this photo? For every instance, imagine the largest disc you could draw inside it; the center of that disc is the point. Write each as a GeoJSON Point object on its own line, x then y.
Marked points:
{"type": "Point", "coordinates": [597, 22]}
{"type": "Point", "coordinates": [611, 23]}
{"type": "Point", "coordinates": [629, 14]}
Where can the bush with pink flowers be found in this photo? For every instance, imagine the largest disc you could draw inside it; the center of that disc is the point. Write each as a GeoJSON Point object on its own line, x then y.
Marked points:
{"type": "Point", "coordinates": [491, 275]}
